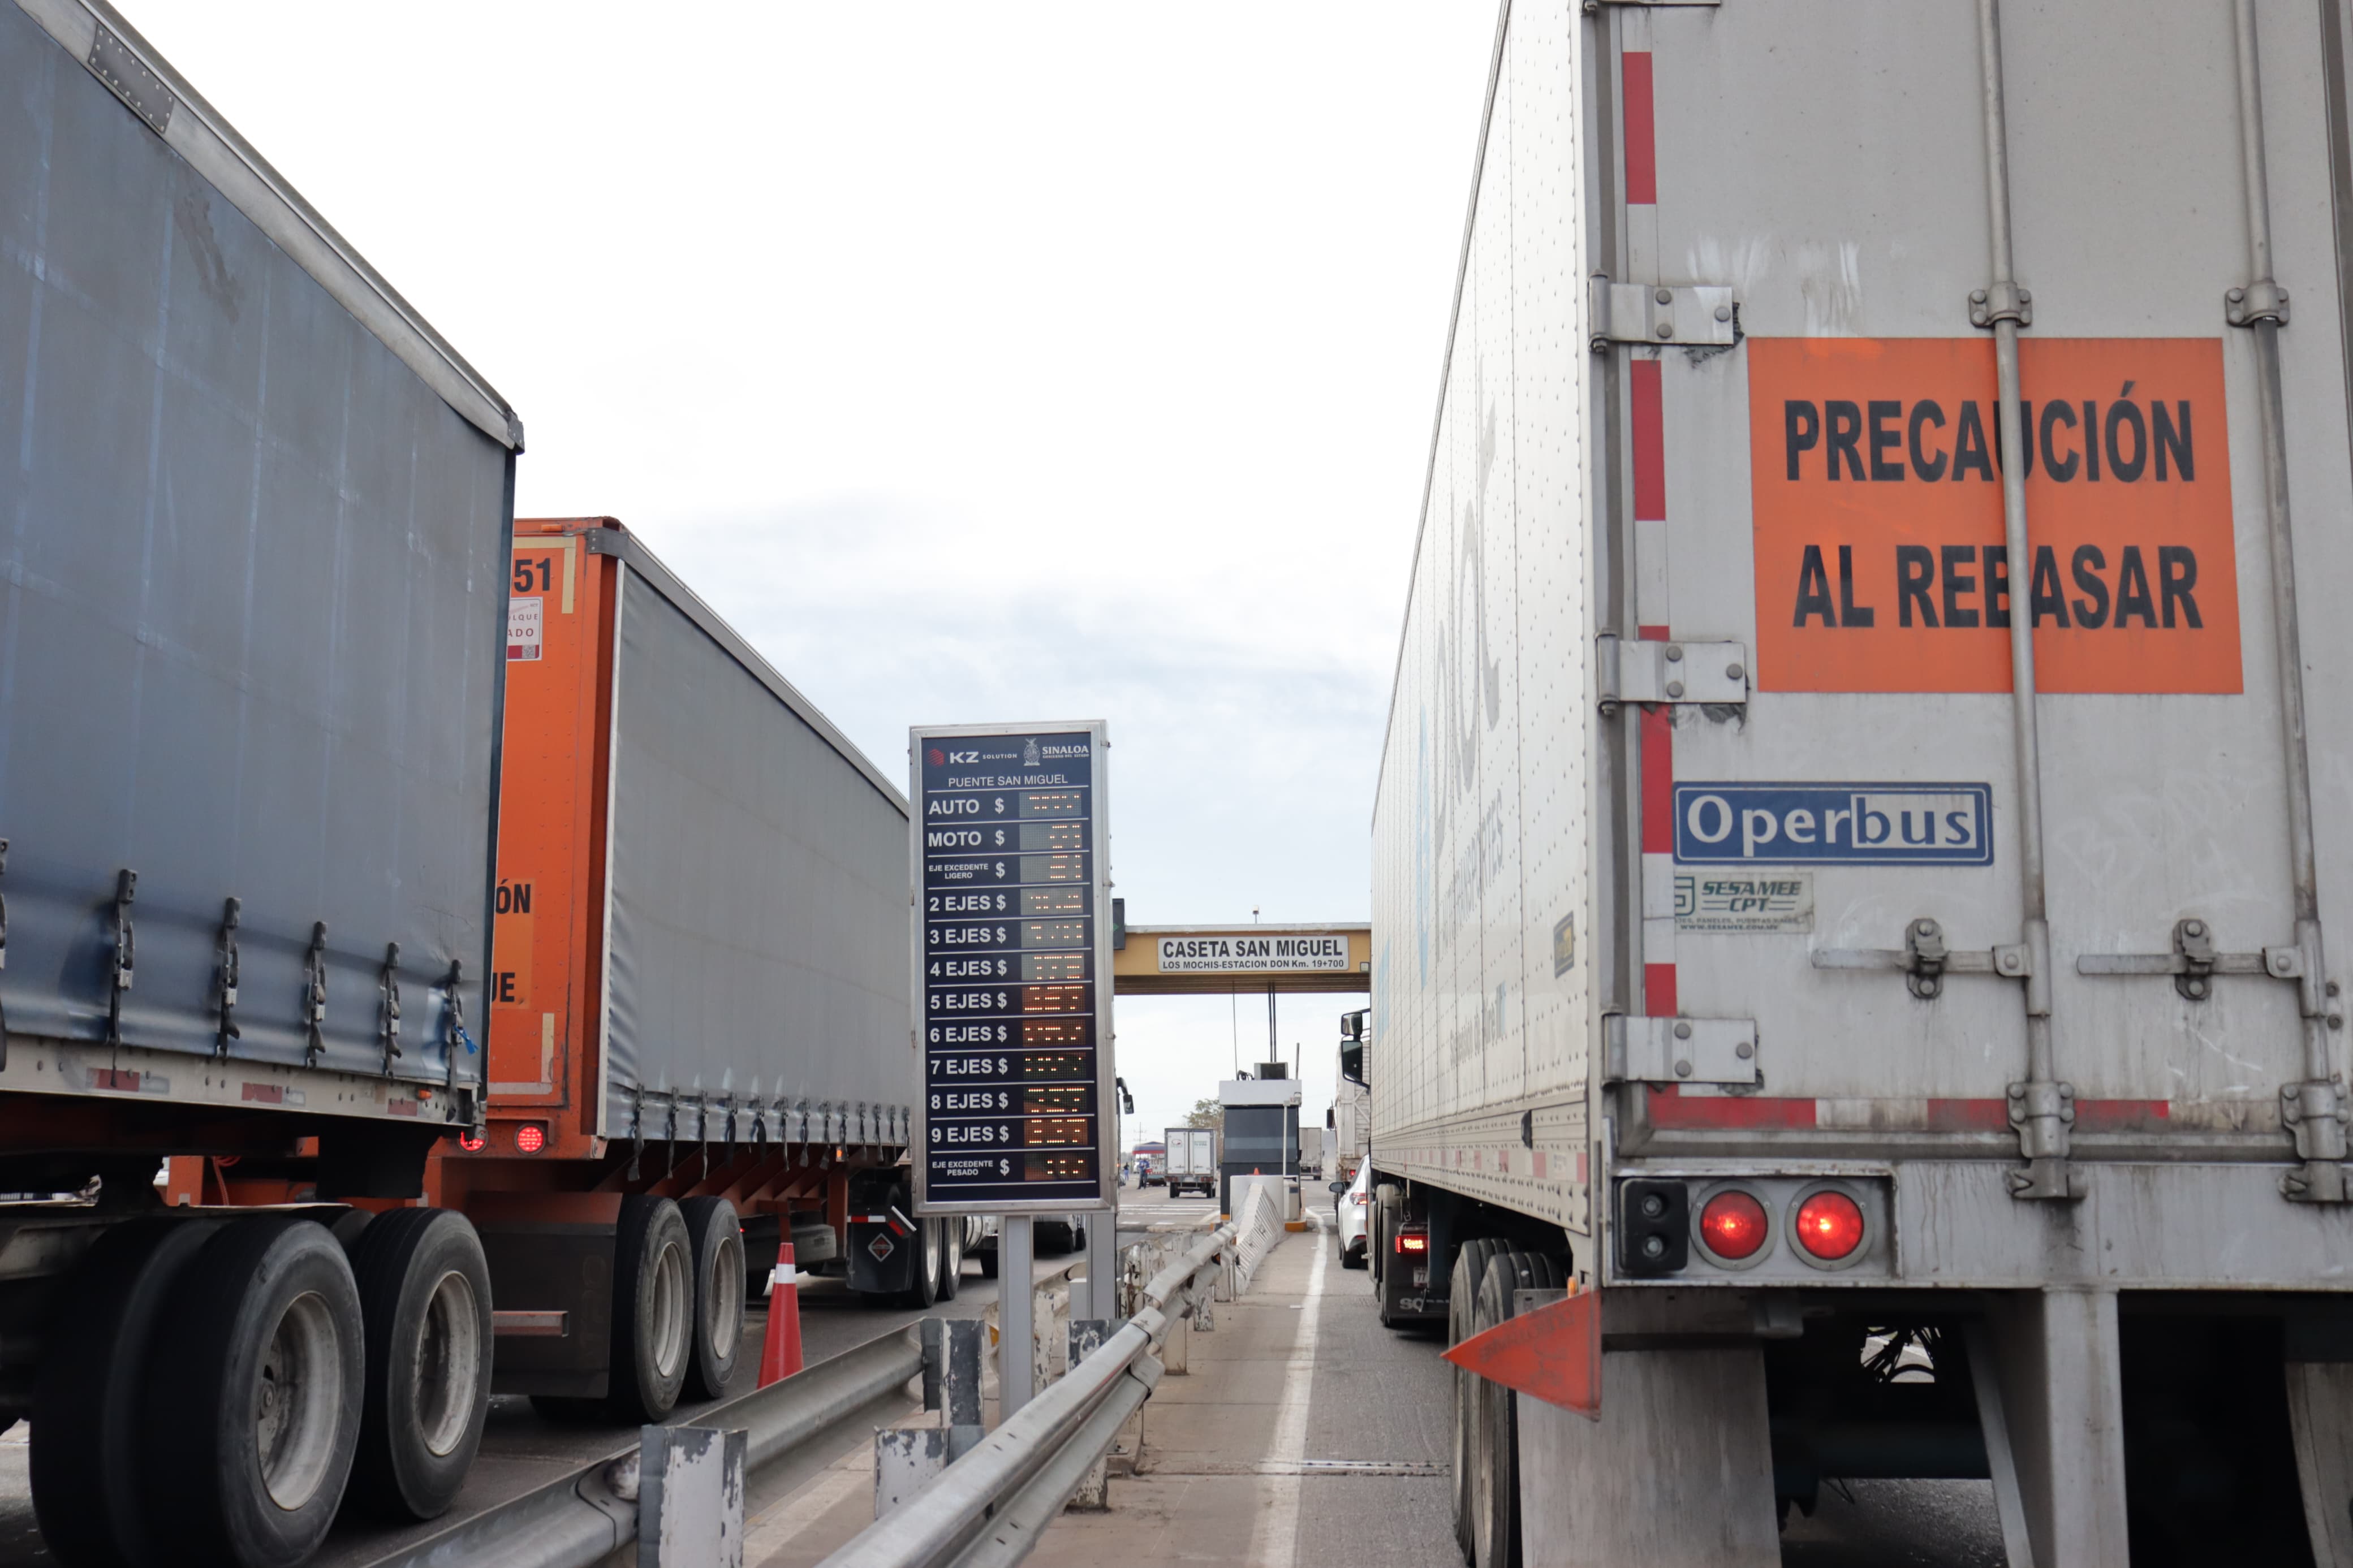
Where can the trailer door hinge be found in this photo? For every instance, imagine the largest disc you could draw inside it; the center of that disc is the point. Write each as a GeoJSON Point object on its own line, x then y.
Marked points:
{"type": "Point", "coordinates": [1925, 960]}
{"type": "Point", "coordinates": [1697, 315]}
{"type": "Point", "coordinates": [1680, 1050]}
{"type": "Point", "coordinates": [1709, 672]}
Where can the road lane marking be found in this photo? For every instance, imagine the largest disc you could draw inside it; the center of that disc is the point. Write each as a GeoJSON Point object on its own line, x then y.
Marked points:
{"type": "Point", "coordinates": [1274, 1534]}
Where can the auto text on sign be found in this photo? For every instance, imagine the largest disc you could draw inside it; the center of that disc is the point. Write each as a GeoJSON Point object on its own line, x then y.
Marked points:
{"type": "Point", "coordinates": [1875, 473]}
{"type": "Point", "coordinates": [1834, 824]}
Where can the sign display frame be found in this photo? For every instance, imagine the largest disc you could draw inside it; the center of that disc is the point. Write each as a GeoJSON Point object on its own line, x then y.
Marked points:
{"type": "Point", "coordinates": [972, 1033]}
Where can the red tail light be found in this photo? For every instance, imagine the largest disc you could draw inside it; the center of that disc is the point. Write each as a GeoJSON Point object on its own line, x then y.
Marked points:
{"type": "Point", "coordinates": [1830, 1225]}
{"type": "Point", "coordinates": [1732, 1225]}
{"type": "Point", "coordinates": [471, 1142]}
{"type": "Point", "coordinates": [1413, 1240]}
{"type": "Point", "coordinates": [531, 1138]}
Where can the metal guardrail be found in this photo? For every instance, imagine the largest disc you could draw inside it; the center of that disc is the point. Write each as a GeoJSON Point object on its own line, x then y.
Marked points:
{"type": "Point", "coordinates": [988, 1509]}
{"type": "Point", "coordinates": [584, 1518]}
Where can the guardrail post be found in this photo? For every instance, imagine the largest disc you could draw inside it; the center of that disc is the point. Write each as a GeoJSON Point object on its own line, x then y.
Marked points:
{"type": "Point", "coordinates": [1017, 1266]}
{"type": "Point", "coordinates": [1087, 1336]}
{"type": "Point", "coordinates": [905, 1460]}
{"type": "Point", "coordinates": [1174, 1350]}
{"type": "Point", "coordinates": [690, 1497]}
{"type": "Point", "coordinates": [962, 1374]}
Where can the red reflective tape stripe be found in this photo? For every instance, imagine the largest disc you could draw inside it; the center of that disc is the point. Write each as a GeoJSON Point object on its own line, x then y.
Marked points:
{"type": "Point", "coordinates": [1670, 1109]}
{"type": "Point", "coordinates": [1658, 781]}
{"type": "Point", "coordinates": [1968, 1115]}
{"type": "Point", "coordinates": [2120, 1115]}
{"type": "Point", "coordinates": [1659, 990]}
{"type": "Point", "coordinates": [1641, 132]}
{"type": "Point", "coordinates": [1651, 633]}
{"type": "Point", "coordinates": [1650, 443]}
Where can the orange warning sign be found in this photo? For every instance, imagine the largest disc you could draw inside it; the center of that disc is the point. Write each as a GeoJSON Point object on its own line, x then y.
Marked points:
{"type": "Point", "coordinates": [1876, 472]}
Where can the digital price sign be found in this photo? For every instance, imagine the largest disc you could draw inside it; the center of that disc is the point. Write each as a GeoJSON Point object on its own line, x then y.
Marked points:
{"type": "Point", "coordinates": [1012, 956]}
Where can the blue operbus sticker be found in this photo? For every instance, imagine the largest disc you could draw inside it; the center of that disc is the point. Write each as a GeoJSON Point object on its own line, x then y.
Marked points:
{"type": "Point", "coordinates": [1834, 824]}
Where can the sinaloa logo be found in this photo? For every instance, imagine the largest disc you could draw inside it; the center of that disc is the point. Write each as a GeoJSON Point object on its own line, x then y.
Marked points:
{"type": "Point", "coordinates": [1838, 824]}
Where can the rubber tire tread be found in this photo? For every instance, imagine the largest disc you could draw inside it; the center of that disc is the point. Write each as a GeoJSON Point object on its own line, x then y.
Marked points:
{"type": "Point", "coordinates": [951, 1259]}
{"type": "Point", "coordinates": [923, 1289]}
{"type": "Point", "coordinates": [86, 1393]}
{"type": "Point", "coordinates": [395, 1476]}
{"type": "Point", "coordinates": [1495, 1520]}
{"type": "Point", "coordinates": [638, 1392]}
{"type": "Point", "coordinates": [196, 1474]}
{"type": "Point", "coordinates": [712, 1223]}
{"type": "Point", "coordinates": [1470, 1422]}
{"type": "Point", "coordinates": [1389, 1212]}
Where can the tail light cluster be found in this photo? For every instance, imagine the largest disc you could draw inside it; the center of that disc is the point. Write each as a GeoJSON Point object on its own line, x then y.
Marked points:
{"type": "Point", "coordinates": [1413, 1238]}
{"type": "Point", "coordinates": [530, 1138]}
{"type": "Point", "coordinates": [1789, 1226]}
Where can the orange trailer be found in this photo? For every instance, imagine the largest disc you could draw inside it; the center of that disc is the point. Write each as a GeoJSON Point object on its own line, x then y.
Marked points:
{"type": "Point", "coordinates": [699, 1042]}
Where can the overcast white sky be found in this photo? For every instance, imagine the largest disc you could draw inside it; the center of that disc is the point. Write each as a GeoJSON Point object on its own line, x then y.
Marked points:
{"type": "Point", "coordinates": [977, 361]}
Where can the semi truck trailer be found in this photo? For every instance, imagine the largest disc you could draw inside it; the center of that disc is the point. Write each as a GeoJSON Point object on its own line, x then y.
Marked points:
{"type": "Point", "coordinates": [1865, 787]}
{"type": "Point", "coordinates": [255, 569]}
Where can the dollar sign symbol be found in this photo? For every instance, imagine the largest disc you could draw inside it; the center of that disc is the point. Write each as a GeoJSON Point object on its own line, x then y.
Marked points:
{"type": "Point", "coordinates": [1000, 868]}
{"type": "Point", "coordinates": [1005, 1167]}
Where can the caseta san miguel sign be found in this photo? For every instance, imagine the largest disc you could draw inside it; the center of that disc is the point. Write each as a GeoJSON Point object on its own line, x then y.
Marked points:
{"type": "Point", "coordinates": [1876, 479]}
{"type": "Point", "coordinates": [1245, 954]}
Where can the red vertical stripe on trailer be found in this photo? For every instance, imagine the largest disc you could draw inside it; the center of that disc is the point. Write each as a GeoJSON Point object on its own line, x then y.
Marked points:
{"type": "Point", "coordinates": [1650, 443]}
{"type": "Point", "coordinates": [1658, 781]}
{"type": "Point", "coordinates": [1659, 990]}
{"type": "Point", "coordinates": [1641, 140]}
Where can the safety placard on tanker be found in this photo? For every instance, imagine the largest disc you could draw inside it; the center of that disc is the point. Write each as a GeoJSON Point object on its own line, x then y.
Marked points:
{"type": "Point", "coordinates": [1876, 478]}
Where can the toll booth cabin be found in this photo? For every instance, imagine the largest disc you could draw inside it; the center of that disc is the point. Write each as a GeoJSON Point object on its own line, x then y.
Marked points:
{"type": "Point", "coordinates": [1262, 1132]}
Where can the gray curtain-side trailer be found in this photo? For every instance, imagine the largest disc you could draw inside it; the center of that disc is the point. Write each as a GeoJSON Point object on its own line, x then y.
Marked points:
{"type": "Point", "coordinates": [253, 539]}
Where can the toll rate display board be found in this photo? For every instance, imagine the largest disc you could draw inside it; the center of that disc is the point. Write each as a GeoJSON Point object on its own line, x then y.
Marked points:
{"type": "Point", "coordinates": [1012, 939]}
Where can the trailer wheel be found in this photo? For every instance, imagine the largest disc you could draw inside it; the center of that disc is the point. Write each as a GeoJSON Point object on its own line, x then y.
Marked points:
{"type": "Point", "coordinates": [1496, 1488]}
{"type": "Point", "coordinates": [252, 1410]}
{"type": "Point", "coordinates": [654, 1310]}
{"type": "Point", "coordinates": [924, 1289]}
{"type": "Point", "coordinates": [425, 1302]}
{"type": "Point", "coordinates": [716, 1235]}
{"type": "Point", "coordinates": [952, 1260]}
{"type": "Point", "coordinates": [1470, 1391]}
{"type": "Point", "coordinates": [86, 1396]}
{"type": "Point", "coordinates": [1388, 1214]}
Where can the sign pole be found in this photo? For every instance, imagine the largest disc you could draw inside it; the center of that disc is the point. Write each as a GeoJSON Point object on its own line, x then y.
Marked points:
{"type": "Point", "coordinates": [1017, 1298]}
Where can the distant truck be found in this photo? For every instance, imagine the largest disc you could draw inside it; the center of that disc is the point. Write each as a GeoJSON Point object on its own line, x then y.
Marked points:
{"type": "Point", "coordinates": [1351, 1116]}
{"type": "Point", "coordinates": [1192, 1161]}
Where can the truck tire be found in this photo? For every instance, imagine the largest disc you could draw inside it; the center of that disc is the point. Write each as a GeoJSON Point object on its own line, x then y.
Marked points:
{"type": "Point", "coordinates": [86, 1396]}
{"type": "Point", "coordinates": [654, 1310]}
{"type": "Point", "coordinates": [988, 1263]}
{"type": "Point", "coordinates": [715, 1241]}
{"type": "Point", "coordinates": [1495, 1486]}
{"type": "Point", "coordinates": [952, 1260]}
{"type": "Point", "coordinates": [253, 1400]}
{"type": "Point", "coordinates": [924, 1289]}
{"type": "Point", "coordinates": [1389, 1212]}
{"type": "Point", "coordinates": [1470, 1391]}
{"type": "Point", "coordinates": [425, 1308]}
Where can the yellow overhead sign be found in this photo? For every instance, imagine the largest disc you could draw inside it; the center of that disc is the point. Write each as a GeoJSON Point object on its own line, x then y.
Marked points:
{"type": "Point", "coordinates": [1214, 960]}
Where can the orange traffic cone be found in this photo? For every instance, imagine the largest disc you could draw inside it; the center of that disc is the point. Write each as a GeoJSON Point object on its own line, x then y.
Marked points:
{"type": "Point", "coordinates": [780, 1354]}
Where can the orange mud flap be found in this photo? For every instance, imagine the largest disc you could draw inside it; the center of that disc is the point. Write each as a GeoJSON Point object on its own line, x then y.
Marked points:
{"type": "Point", "coordinates": [1553, 1353]}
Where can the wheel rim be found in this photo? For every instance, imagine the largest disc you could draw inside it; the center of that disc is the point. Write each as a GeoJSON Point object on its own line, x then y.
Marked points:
{"type": "Point", "coordinates": [297, 1398]}
{"type": "Point", "coordinates": [449, 1363]}
{"type": "Point", "coordinates": [722, 1300]}
{"type": "Point", "coordinates": [669, 1314]}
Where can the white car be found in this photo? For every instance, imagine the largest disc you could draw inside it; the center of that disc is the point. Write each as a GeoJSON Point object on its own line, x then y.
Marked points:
{"type": "Point", "coordinates": [1351, 1202]}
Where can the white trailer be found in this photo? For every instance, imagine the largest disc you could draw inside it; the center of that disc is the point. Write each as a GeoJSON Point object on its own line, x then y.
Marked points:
{"type": "Point", "coordinates": [1848, 906]}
